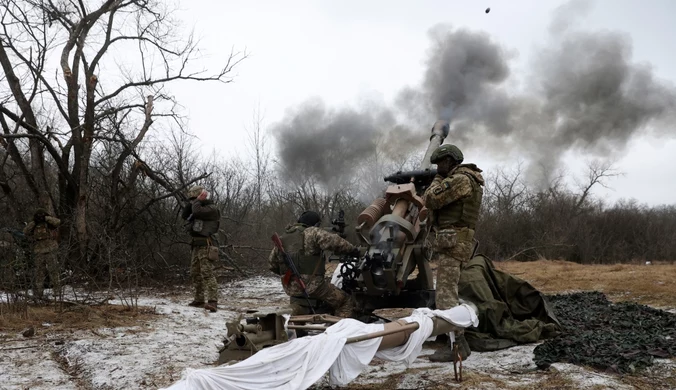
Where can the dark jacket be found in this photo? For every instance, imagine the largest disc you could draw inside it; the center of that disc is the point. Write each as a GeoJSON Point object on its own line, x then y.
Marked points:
{"type": "Point", "coordinates": [204, 219]}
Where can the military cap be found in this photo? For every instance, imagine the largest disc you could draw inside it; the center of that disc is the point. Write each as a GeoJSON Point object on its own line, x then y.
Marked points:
{"type": "Point", "coordinates": [195, 191]}
{"type": "Point", "coordinates": [310, 218]}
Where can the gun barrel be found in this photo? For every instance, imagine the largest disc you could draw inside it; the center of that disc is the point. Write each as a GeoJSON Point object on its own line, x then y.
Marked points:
{"type": "Point", "coordinates": [422, 176]}
{"type": "Point", "coordinates": [439, 133]}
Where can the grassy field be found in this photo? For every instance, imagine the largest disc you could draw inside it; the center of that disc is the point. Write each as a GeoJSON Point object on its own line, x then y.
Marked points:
{"type": "Point", "coordinates": [653, 284]}
{"type": "Point", "coordinates": [17, 317]}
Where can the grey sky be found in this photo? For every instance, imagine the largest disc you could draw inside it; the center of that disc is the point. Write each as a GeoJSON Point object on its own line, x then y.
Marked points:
{"type": "Point", "coordinates": [344, 51]}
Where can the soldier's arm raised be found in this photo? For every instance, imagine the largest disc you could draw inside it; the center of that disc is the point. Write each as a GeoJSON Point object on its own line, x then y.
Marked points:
{"type": "Point", "coordinates": [320, 239]}
{"type": "Point", "coordinates": [205, 212]}
{"type": "Point", "coordinates": [446, 191]}
{"type": "Point", "coordinates": [434, 187]}
{"type": "Point", "coordinates": [55, 222]}
{"type": "Point", "coordinates": [187, 210]}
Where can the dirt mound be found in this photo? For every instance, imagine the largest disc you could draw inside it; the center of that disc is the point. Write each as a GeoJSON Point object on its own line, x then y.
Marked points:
{"type": "Point", "coordinates": [621, 337]}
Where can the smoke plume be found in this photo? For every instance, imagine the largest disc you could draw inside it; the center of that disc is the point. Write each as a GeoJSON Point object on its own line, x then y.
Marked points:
{"type": "Point", "coordinates": [329, 145]}
{"type": "Point", "coordinates": [462, 68]}
{"type": "Point", "coordinates": [583, 92]}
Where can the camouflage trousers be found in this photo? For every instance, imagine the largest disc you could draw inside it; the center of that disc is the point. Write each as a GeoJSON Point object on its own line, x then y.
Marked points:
{"type": "Point", "coordinates": [452, 250]}
{"type": "Point", "coordinates": [202, 274]}
{"type": "Point", "coordinates": [47, 263]}
{"type": "Point", "coordinates": [321, 288]}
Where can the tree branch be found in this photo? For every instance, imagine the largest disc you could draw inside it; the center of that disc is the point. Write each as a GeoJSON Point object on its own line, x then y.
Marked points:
{"type": "Point", "coordinates": [35, 133]}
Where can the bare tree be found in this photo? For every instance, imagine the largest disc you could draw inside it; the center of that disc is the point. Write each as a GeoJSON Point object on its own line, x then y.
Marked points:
{"type": "Point", "coordinates": [598, 171]}
{"type": "Point", "coordinates": [260, 154]}
{"type": "Point", "coordinates": [505, 190]}
{"type": "Point", "coordinates": [68, 115]}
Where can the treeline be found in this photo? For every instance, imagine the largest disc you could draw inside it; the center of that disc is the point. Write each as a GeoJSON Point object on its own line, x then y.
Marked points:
{"type": "Point", "coordinates": [111, 157]}
{"type": "Point", "coordinates": [522, 223]}
{"type": "Point", "coordinates": [144, 241]}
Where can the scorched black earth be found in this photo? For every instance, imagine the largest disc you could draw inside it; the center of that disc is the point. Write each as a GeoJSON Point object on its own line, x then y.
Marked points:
{"type": "Point", "coordinates": [621, 337]}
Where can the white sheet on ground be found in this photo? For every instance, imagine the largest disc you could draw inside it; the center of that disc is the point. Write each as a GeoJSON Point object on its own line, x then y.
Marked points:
{"type": "Point", "coordinates": [355, 357]}
{"type": "Point", "coordinates": [301, 362]}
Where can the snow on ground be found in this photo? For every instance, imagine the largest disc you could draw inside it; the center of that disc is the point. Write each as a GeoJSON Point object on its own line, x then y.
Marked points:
{"type": "Point", "coordinates": [510, 367]}
{"type": "Point", "coordinates": [156, 353]}
{"type": "Point", "coordinates": [30, 367]}
{"type": "Point", "coordinates": [148, 356]}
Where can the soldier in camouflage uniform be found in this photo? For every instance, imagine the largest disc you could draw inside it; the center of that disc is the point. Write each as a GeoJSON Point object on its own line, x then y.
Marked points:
{"type": "Point", "coordinates": [203, 218]}
{"type": "Point", "coordinates": [42, 230]}
{"type": "Point", "coordinates": [304, 243]}
{"type": "Point", "coordinates": [455, 198]}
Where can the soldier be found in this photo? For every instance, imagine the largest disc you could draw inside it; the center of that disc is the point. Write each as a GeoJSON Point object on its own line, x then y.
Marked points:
{"type": "Point", "coordinates": [204, 220]}
{"type": "Point", "coordinates": [455, 199]}
{"type": "Point", "coordinates": [304, 243]}
{"type": "Point", "coordinates": [42, 230]}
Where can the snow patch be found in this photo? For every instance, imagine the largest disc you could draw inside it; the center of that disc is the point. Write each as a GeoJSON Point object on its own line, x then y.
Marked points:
{"type": "Point", "coordinates": [156, 353]}
{"type": "Point", "coordinates": [31, 366]}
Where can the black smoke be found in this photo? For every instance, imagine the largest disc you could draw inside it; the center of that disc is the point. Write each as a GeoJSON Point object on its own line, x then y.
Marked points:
{"type": "Point", "coordinates": [583, 92]}
{"type": "Point", "coordinates": [329, 145]}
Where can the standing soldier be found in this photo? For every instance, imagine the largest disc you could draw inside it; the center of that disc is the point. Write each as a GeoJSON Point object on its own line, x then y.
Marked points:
{"type": "Point", "coordinates": [204, 219]}
{"type": "Point", "coordinates": [42, 230]}
{"type": "Point", "coordinates": [455, 199]}
{"type": "Point", "coordinates": [304, 243]}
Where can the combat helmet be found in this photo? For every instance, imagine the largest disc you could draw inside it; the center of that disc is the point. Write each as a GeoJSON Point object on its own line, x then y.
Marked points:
{"type": "Point", "coordinates": [195, 191]}
{"type": "Point", "coordinates": [445, 151]}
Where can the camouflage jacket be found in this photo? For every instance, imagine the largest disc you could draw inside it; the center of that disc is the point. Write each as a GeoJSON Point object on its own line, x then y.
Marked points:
{"type": "Point", "coordinates": [456, 199]}
{"type": "Point", "coordinates": [315, 240]}
{"type": "Point", "coordinates": [456, 186]}
{"type": "Point", "coordinates": [45, 241]}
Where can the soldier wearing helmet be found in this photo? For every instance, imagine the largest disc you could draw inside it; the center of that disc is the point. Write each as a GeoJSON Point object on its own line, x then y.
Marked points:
{"type": "Point", "coordinates": [43, 233]}
{"type": "Point", "coordinates": [304, 243]}
{"type": "Point", "coordinates": [203, 221]}
{"type": "Point", "coordinates": [455, 199]}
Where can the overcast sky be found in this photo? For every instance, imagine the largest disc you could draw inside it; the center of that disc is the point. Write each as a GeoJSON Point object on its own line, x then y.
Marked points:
{"type": "Point", "coordinates": [343, 51]}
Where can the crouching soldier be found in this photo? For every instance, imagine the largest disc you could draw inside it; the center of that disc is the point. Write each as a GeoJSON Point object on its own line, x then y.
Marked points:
{"type": "Point", "coordinates": [43, 232]}
{"type": "Point", "coordinates": [204, 220]}
{"type": "Point", "coordinates": [304, 243]}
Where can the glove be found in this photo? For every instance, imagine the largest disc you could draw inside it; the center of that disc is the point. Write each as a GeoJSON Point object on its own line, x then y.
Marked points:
{"type": "Point", "coordinates": [203, 195]}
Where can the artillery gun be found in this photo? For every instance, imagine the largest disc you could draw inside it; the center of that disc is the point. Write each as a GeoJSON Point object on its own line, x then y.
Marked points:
{"type": "Point", "coordinates": [393, 230]}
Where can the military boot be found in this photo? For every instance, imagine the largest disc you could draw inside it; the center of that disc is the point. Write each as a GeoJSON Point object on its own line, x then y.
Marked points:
{"type": "Point", "coordinates": [212, 306]}
{"type": "Point", "coordinates": [446, 354]}
{"type": "Point", "coordinates": [463, 347]}
{"type": "Point", "coordinates": [443, 354]}
{"type": "Point", "coordinates": [196, 304]}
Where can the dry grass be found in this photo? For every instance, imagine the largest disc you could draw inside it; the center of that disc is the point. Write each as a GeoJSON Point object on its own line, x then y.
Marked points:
{"type": "Point", "coordinates": [660, 376]}
{"type": "Point", "coordinates": [653, 284]}
{"type": "Point", "coordinates": [72, 318]}
{"type": "Point", "coordinates": [647, 284]}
